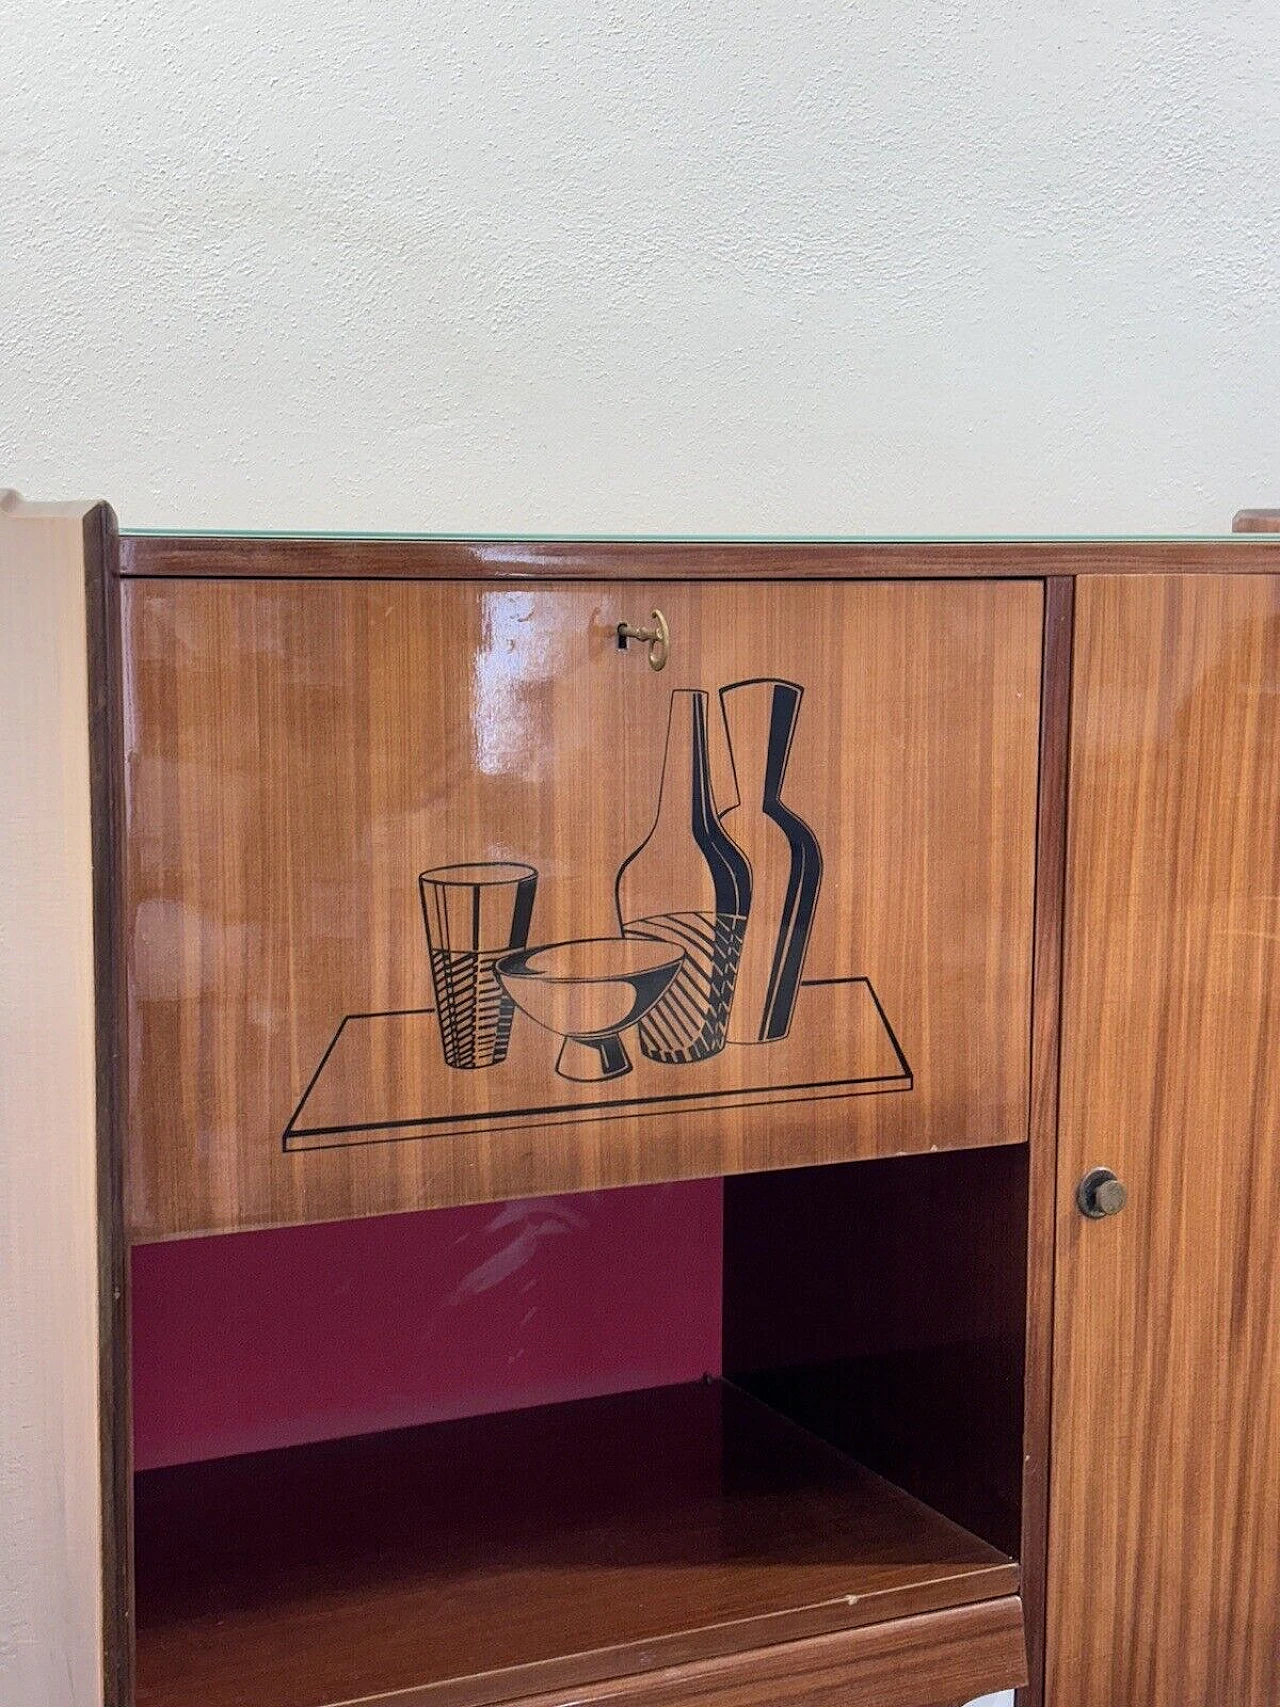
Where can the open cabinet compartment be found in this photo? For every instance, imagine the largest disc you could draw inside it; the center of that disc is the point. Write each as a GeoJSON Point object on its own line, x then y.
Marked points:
{"type": "Point", "coordinates": [612, 1543]}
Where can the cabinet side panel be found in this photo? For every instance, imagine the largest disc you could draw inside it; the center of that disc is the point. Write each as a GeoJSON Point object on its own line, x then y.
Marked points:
{"type": "Point", "coordinates": [51, 1617]}
{"type": "Point", "coordinates": [106, 805]}
{"type": "Point", "coordinates": [1164, 1571]}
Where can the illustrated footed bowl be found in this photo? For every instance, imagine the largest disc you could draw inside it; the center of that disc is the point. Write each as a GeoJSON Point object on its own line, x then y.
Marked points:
{"type": "Point", "coordinates": [587, 992]}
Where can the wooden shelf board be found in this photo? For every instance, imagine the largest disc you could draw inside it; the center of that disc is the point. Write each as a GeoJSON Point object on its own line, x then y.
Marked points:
{"type": "Point", "coordinates": [474, 1562]}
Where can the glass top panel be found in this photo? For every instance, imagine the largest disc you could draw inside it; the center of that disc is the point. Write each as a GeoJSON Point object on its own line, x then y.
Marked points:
{"type": "Point", "coordinates": [853, 539]}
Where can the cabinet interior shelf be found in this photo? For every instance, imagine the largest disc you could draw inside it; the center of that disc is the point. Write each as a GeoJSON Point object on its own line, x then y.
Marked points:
{"type": "Point", "coordinates": [477, 1561]}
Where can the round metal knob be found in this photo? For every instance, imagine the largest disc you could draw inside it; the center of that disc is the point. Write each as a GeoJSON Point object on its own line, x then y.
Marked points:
{"type": "Point", "coordinates": [1100, 1194]}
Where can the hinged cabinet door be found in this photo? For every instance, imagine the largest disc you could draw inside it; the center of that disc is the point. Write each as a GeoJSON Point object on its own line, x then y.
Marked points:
{"type": "Point", "coordinates": [437, 895]}
{"type": "Point", "coordinates": [1164, 1563]}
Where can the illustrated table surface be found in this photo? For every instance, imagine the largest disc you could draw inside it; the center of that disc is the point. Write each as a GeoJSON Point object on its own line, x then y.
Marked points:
{"type": "Point", "coordinates": [384, 1077]}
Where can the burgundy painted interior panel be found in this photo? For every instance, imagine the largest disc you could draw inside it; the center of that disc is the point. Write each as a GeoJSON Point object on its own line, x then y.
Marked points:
{"type": "Point", "coordinates": [255, 1340]}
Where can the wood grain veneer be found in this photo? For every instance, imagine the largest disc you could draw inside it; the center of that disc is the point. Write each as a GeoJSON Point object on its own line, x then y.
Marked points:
{"type": "Point", "coordinates": [887, 1665]}
{"type": "Point", "coordinates": [64, 1639]}
{"type": "Point", "coordinates": [1164, 1564]}
{"type": "Point", "coordinates": [300, 751]}
{"type": "Point", "coordinates": [471, 1562]}
{"type": "Point", "coordinates": [201, 556]}
{"type": "Point", "coordinates": [1040, 1216]}
{"type": "Point", "coordinates": [1256, 521]}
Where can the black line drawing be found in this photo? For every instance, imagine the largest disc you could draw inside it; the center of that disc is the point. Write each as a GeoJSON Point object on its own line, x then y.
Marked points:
{"type": "Point", "coordinates": [475, 915]}
{"type": "Point", "coordinates": [760, 718]}
{"type": "Point", "coordinates": [588, 992]}
{"type": "Point", "coordinates": [407, 1096]}
{"type": "Point", "coordinates": [715, 911]}
{"type": "Point", "coordinates": [688, 884]}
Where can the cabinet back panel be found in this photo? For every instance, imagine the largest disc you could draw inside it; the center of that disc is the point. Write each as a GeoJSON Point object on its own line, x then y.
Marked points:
{"type": "Point", "coordinates": [260, 1340]}
{"type": "Point", "coordinates": [299, 752]}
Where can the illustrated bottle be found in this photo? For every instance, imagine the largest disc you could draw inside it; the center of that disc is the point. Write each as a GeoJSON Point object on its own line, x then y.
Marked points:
{"type": "Point", "coordinates": [688, 883]}
{"type": "Point", "coordinates": [786, 860]}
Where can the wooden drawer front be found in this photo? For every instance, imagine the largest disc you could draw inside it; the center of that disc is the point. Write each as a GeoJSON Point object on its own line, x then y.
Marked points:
{"type": "Point", "coordinates": [300, 752]}
{"type": "Point", "coordinates": [911, 1662]}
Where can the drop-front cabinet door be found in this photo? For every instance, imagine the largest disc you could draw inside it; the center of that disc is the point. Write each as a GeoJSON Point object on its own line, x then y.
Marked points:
{"type": "Point", "coordinates": [437, 895]}
{"type": "Point", "coordinates": [1164, 1564]}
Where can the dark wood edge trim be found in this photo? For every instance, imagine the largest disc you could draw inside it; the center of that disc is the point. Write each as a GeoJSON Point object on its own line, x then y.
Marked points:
{"type": "Point", "coordinates": [106, 767]}
{"type": "Point", "coordinates": [658, 560]}
{"type": "Point", "coordinates": [1046, 1009]}
{"type": "Point", "coordinates": [1256, 521]}
{"type": "Point", "coordinates": [897, 1663]}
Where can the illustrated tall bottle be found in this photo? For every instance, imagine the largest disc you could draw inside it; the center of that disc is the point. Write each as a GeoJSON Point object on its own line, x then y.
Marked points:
{"type": "Point", "coordinates": [688, 883]}
{"type": "Point", "coordinates": [786, 860]}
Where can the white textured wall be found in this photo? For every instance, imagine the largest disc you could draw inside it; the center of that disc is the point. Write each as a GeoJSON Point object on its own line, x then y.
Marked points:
{"type": "Point", "coordinates": [966, 266]}
{"type": "Point", "coordinates": [522, 265]}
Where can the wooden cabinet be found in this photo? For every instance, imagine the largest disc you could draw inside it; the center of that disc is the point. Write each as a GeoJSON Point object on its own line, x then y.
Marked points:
{"type": "Point", "coordinates": [300, 752]}
{"type": "Point", "coordinates": [918, 881]}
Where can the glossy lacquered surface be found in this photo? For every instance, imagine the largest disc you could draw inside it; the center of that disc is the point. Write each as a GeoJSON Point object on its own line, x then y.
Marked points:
{"type": "Point", "coordinates": [302, 753]}
{"type": "Point", "coordinates": [1164, 1558]}
{"type": "Point", "coordinates": [352, 1327]}
{"type": "Point", "coordinates": [899, 1664]}
{"type": "Point", "coordinates": [478, 1561]}
{"type": "Point", "coordinates": [427, 558]}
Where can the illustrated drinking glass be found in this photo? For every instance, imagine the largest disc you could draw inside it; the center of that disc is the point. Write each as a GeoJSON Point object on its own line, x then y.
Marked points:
{"type": "Point", "coordinates": [474, 915]}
